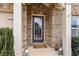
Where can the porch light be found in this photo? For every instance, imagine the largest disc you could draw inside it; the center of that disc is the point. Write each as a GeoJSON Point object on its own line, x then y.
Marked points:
{"type": "Point", "coordinates": [60, 49]}
{"type": "Point", "coordinates": [60, 52]}
{"type": "Point", "coordinates": [26, 52]}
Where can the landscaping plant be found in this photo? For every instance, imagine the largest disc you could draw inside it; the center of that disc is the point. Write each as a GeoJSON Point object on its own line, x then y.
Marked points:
{"type": "Point", "coordinates": [75, 46]}
{"type": "Point", "coordinates": [6, 42]}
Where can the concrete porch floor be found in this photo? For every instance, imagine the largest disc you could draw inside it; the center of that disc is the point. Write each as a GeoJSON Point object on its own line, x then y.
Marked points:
{"type": "Point", "coordinates": [42, 51]}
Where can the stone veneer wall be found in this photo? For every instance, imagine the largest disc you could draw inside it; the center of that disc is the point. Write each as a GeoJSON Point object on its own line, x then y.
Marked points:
{"type": "Point", "coordinates": [39, 9]}
{"type": "Point", "coordinates": [57, 17]}
{"type": "Point", "coordinates": [53, 24]}
{"type": "Point", "coordinates": [24, 22]}
{"type": "Point", "coordinates": [75, 9]}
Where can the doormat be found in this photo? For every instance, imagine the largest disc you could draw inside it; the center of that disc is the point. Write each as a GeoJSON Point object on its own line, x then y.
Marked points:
{"type": "Point", "coordinates": [39, 46]}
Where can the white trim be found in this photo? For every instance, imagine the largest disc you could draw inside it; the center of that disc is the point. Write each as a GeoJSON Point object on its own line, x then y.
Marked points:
{"type": "Point", "coordinates": [17, 29]}
{"type": "Point", "coordinates": [67, 32]}
{"type": "Point", "coordinates": [31, 27]}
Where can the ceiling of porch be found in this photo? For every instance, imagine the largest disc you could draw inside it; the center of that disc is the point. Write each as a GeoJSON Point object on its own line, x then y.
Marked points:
{"type": "Point", "coordinates": [49, 5]}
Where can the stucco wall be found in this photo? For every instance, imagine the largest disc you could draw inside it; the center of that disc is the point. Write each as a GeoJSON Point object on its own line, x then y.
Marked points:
{"type": "Point", "coordinates": [6, 20]}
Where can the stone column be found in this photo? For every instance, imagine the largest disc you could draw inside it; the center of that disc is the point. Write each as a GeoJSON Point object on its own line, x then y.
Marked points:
{"type": "Point", "coordinates": [66, 37]}
{"type": "Point", "coordinates": [24, 20]}
{"type": "Point", "coordinates": [17, 30]}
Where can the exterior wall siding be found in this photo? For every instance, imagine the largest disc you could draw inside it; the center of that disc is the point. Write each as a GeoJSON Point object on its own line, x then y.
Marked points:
{"type": "Point", "coordinates": [6, 20]}
{"type": "Point", "coordinates": [56, 27]}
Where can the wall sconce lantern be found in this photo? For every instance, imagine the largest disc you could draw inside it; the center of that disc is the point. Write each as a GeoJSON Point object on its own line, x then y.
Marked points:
{"type": "Point", "coordinates": [60, 52]}
{"type": "Point", "coordinates": [26, 52]}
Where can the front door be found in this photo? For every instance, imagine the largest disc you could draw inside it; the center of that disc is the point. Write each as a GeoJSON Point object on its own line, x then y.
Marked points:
{"type": "Point", "coordinates": [38, 29]}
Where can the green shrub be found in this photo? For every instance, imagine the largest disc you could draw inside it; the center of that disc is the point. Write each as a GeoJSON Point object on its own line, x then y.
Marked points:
{"type": "Point", "coordinates": [75, 46]}
{"type": "Point", "coordinates": [6, 42]}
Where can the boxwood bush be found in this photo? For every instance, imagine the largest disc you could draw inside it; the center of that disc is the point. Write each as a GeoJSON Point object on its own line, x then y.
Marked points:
{"type": "Point", "coordinates": [75, 46]}
{"type": "Point", "coordinates": [6, 42]}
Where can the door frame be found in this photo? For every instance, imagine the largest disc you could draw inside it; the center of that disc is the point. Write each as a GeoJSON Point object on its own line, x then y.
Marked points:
{"type": "Point", "coordinates": [32, 30]}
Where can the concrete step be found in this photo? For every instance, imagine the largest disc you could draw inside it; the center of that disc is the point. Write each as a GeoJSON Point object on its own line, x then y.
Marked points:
{"type": "Point", "coordinates": [42, 51]}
